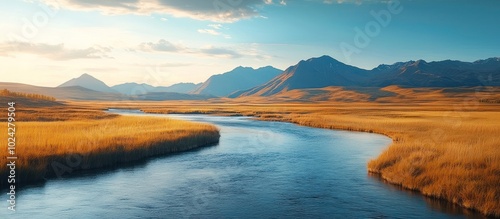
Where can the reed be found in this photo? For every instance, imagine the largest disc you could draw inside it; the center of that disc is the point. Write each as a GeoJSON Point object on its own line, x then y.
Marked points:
{"type": "Point", "coordinates": [53, 149]}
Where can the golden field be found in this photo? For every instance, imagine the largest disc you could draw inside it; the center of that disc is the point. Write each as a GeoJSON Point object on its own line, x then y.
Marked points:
{"type": "Point", "coordinates": [453, 155]}
{"type": "Point", "coordinates": [447, 148]}
{"type": "Point", "coordinates": [446, 143]}
{"type": "Point", "coordinates": [89, 138]}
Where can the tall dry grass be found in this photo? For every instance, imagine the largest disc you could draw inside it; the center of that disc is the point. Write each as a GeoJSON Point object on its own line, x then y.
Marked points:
{"type": "Point", "coordinates": [47, 149]}
{"type": "Point", "coordinates": [445, 142]}
{"type": "Point", "coordinates": [445, 150]}
{"type": "Point", "coordinates": [7, 93]}
{"type": "Point", "coordinates": [457, 160]}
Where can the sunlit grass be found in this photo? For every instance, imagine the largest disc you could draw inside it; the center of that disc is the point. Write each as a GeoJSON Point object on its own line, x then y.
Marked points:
{"type": "Point", "coordinates": [7, 93]}
{"type": "Point", "coordinates": [449, 151]}
{"type": "Point", "coordinates": [42, 147]}
{"type": "Point", "coordinates": [457, 160]}
{"type": "Point", "coordinates": [127, 132]}
{"type": "Point", "coordinates": [446, 143]}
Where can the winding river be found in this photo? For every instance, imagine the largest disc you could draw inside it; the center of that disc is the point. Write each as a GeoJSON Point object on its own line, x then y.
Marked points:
{"type": "Point", "coordinates": [258, 170]}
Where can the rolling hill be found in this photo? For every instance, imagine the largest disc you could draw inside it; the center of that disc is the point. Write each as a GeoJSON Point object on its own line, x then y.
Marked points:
{"type": "Point", "coordinates": [86, 87]}
{"type": "Point", "coordinates": [27, 99]}
{"type": "Point", "coordinates": [63, 93]}
{"type": "Point", "coordinates": [80, 93]}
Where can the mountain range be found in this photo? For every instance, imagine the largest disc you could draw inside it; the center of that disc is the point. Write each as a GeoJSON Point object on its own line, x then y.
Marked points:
{"type": "Point", "coordinates": [312, 73]}
{"type": "Point", "coordinates": [87, 87]}
{"type": "Point", "coordinates": [325, 71]}
{"type": "Point", "coordinates": [240, 78]}
{"type": "Point", "coordinates": [60, 93]}
{"type": "Point", "coordinates": [139, 89]}
{"type": "Point", "coordinates": [307, 79]}
{"type": "Point", "coordinates": [446, 73]}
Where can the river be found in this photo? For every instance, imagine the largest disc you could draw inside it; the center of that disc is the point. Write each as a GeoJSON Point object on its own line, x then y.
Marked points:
{"type": "Point", "coordinates": [258, 170]}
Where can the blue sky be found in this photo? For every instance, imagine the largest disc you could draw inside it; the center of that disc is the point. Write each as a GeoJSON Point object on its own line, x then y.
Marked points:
{"type": "Point", "coordinates": [162, 42]}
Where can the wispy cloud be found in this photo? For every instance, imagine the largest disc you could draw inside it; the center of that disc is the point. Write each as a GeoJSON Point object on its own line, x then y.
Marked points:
{"type": "Point", "coordinates": [214, 30]}
{"type": "Point", "coordinates": [215, 26]}
{"type": "Point", "coordinates": [214, 10]}
{"type": "Point", "coordinates": [221, 52]}
{"type": "Point", "coordinates": [209, 31]}
{"type": "Point", "coordinates": [161, 46]}
{"type": "Point", "coordinates": [55, 52]}
{"type": "Point", "coordinates": [208, 51]}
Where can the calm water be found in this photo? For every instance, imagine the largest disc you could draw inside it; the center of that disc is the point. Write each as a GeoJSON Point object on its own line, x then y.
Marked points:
{"type": "Point", "coordinates": [259, 170]}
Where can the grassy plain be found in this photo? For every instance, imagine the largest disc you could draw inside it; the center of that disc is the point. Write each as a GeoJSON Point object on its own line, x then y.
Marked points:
{"type": "Point", "coordinates": [445, 141]}
{"type": "Point", "coordinates": [447, 148]}
{"type": "Point", "coordinates": [55, 141]}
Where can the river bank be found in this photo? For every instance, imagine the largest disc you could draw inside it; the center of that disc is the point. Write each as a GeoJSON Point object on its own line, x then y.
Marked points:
{"type": "Point", "coordinates": [446, 151]}
{"type": "Point", "coordinates": [56, 149]}
{"type": "Point", "coordinates": [259, 168]}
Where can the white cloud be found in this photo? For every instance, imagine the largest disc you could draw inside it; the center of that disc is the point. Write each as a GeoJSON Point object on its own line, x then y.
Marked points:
{"type": "Point", "coordinates": [215, 31]}
{"type": "Point", "coordinates": [55, 52]}
{"type": "Point", "coordinates": [215, 26]}
{"type": "Point", "coordinates": [164, 46]}
{"type": "Point", "coordinates": [209, 31]}
{"type": "Point", "coordinates": [161, 46]}
{"type": "Point", "coordinates": [220, 52]}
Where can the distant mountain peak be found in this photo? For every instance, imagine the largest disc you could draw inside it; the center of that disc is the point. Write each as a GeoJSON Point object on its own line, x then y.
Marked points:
{"type": "Point", "coordinates": [86, 75]}
{"type": "Point", "coordinates": [419, 62]}
{"type": "Point", "coordinates": [242, 67]}
{"type": "Point", "coordinates": [490, 60]}
{"type": "Point", "coordinates": [266, 67]}
{"type": "Point", "coordinates": [315, 72]}
{"type": "Point", "coordinates": [323, 58]}
{"type": "Point", "coordinates": [88, 81]}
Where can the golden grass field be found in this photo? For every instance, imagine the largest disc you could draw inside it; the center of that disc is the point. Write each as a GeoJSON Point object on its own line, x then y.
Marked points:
{"type": "Point", "coordinates": [453, 155]}
{"type": "Point", "coordinates": [445, 144]}
{"type": "Point", "coordinates": [88, 138]}
{"type": "Point", "coordinates": [444, 148]}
